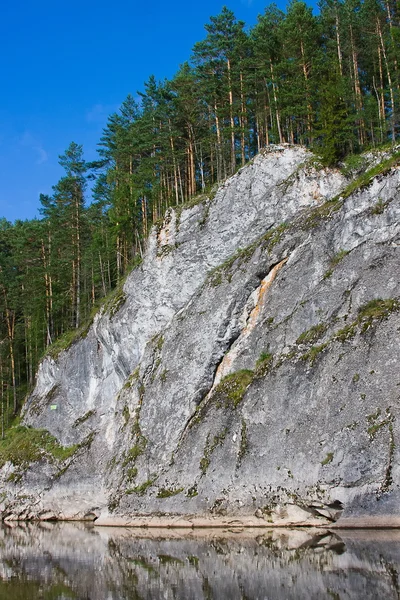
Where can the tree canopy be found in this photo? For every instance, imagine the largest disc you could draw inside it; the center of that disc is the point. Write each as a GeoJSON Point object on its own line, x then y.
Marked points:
{"type": "Point", "coordinates": [328, 81]}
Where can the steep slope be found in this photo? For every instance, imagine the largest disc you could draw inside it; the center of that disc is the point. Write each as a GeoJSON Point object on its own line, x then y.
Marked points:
{"type": "Point", "coordinates": [248, 371]}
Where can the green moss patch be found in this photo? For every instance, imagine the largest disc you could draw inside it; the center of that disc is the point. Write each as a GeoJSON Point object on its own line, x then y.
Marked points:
{"type": "Point", "coordinates": [313, 353]}
{"type": "Point", "coordinates": [335, 260]}
{"type": "Point", "coordinates": [274, 236]}
{"type": "Point", "coordinates": [230, 391]}
{"type": "Point", "coordinates": [131, 379]}
{"type": "Point", "coordinates": [168, 492]}
{"type": "Point", "coordinates": [158, 342]}
{"type": "Point", "coordinates": [141, 489]}
{"type": "Point", "coordinates": [210, 446]}
{"type": "Point", "coordinates": [263, 364]}
{"type": "Point", "coordinates": [365, 179]}
{"type": "Point", "coordinates": [380, 206]}
{"type": "Point", "coordinates": [131, 473]}
{"type": "Point", "coordinates": [377, 310]}
{"type": "Point", "coordinates": [328, 459]}
{"type": "Point", "coordinates": [133, 453]}
{"type": "Point", "coordinates": [244, 442]}
{"type": "Point", "coordinates": [67, 339]}
{"type": "Point", "coordinates": [84, 418]}
{"type": "Point", "coordinates": [25, 445]}
{"type": "Point", "coordinates": [323, 212]}
{"type": "Point", "coordinates": [312, 335]}
{"type": "Point", "coordinates": [192, 492]}
{"type": "Point", "coordinates": [346, 333]}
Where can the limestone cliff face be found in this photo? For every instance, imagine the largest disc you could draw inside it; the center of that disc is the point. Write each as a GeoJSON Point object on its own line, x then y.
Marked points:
{"type": "Point", "coordinates": [248, 372]}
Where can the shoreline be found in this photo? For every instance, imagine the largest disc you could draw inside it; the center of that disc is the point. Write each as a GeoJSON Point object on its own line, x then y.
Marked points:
{"type": "Point", "coordinates": [191, 523]}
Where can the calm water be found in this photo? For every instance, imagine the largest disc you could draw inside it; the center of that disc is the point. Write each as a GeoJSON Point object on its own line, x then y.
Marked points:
{"type": "Point", "coordinates": [62, 561]}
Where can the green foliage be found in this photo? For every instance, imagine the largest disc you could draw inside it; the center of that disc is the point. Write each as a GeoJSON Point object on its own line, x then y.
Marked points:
{"type": "Point", "coordinates": [192, 491]}
{"type": "Point", "coordinates": [244, 442]}
{"type": "Point", "coordinates": [353, 164]}
{"type": "Point", "coordinates": [373, 429]}
{"type": "Point", "coordinates": [230, 391]}
{"type": "Point", "coordinates": [366, 178]}
{"type": "Point", "coordinates": [133, 453]}
{"type": "Point", "coordinates": [379, 207]}
{"type": "Point", "coordinates": [347, 332]}
{"type": "Point", "coordinates": [377, 310]}
{"type": "Point", "coordinates": [328, 459]}
{"type": "Point", "coordinates": [312, 335]}
{"type": "Point", "coordinates": [274, 236]}
{"type": "Point", "coordinates": [158, 342]}
{"type": "Point", "coordinates": [126, 414]}
{"type": "Point", "coordinates": [84, 418]}
{"type": "Point", "coordinates": [67, 339]}
{"type": "Point", "coordinates": [289, 78]}
{"type": "Point", "coordinates": [317, 215]}
{"type": "Point", "coordinates": [141, 489]}
{"type": "Point", "coordinates": [210, 446]}
{"type": "Point", "coordinates": [313, 353]}
{"type": "Point", "coordinates": [166, 559]}
{"type": "Point", "coordinates": [224, 271]}
{"type": "Point", "coordinates": [25, 445]}
{"type": "Point", "coordinates": [377, 422]}
{"type": "Point", "coordinates": [116, 301]}
{"type": "Point", "coordinates": [131, 473]}
{"type": "Point", "coordinates": [131, 379]}
{"type": "Point", "coordinates": [335, 126]}
{"type": "Point", "coordinates": [168, 492]}
{"type": "Point", "coordinates": [263, 364]}
{"type": "Point", "coordinates": [267, 241]}
{"type": "Point", "coordinates": [335, 260]}
{"type": "Point", "coordinates": [371, 312]}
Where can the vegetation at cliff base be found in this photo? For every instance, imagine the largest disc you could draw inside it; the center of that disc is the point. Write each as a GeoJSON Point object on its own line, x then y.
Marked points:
{"type": "Point", "coordinates": [329, 81]}
{"type": "Point", "coordinates": [24, 445]}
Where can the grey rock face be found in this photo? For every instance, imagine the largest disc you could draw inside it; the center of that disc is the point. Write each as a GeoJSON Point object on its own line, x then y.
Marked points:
{"type": "Point", "coordinates": [252, 371]}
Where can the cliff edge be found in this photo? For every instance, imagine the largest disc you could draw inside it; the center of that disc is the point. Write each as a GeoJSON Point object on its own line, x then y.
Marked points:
{"type": "Point", "coordinates": [247, 372]}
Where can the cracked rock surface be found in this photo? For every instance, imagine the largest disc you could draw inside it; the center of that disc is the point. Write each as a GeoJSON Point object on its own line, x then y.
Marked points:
{"type": "Point", "coordinates": [250, 376]}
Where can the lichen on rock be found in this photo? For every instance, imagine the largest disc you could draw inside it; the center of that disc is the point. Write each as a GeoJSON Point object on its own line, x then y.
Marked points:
{"type": "Point", "coordinates": [222, 383]}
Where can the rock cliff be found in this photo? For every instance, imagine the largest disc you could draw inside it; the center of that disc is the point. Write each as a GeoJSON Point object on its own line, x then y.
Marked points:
{"type": "Point", "coordinates": [248, 372]}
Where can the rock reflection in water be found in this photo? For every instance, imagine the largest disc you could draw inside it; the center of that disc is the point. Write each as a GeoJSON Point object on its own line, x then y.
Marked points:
{"type": "Point", "coordinates": [61, 561]}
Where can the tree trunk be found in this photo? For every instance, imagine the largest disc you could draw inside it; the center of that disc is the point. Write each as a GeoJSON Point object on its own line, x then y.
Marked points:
{"type": "Point", "coordinates": [233, 152]}
{"type": "Point", "coordinates": [278, 120]}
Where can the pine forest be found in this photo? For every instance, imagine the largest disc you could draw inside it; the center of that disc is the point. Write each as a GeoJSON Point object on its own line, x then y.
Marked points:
{"type": "Point", "coordinates": [329, 81]}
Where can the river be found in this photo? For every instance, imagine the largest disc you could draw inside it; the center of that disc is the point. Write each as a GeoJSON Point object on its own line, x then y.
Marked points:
{"type": "Point", "coordinates": [59, 561]}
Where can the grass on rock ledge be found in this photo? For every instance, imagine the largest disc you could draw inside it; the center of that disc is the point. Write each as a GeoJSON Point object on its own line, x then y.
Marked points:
{"type": "Point", "coordinates": [25, 445]}
{"type": "Point", "coordinates": [231, 389]}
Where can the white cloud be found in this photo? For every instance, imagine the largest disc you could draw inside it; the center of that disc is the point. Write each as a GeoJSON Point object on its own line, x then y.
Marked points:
{"type": "Point", "coordinates": [28, 140]}
{"type": "Point", "coordinates": [99, 113]}
{"type": "Point", "coordinates": [42, 155]}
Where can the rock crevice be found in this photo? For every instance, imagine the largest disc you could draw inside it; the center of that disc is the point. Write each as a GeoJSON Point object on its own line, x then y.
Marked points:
{"type": "Point", "coordinates": [250, 373]}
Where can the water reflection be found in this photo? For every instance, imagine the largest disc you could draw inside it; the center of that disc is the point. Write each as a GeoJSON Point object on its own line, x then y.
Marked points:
{"type": "Point", "coordinates": [63, 561]}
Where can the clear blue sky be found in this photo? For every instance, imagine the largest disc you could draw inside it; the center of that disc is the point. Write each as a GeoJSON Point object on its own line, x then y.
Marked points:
{"type": "Point", "coordinates": [66, 65]}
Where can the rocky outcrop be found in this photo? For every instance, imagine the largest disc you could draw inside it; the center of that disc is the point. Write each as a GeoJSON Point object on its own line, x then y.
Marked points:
{"type": "Point", "coordinates": [248, 371]}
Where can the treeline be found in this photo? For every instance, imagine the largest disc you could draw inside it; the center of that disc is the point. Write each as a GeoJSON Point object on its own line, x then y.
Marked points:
{"type": "Point", "coordinates": [328, 81]}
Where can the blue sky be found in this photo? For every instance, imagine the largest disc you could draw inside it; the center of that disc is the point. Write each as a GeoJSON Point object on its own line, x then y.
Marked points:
{"type": "Point", "coordinates": [65, 66]}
